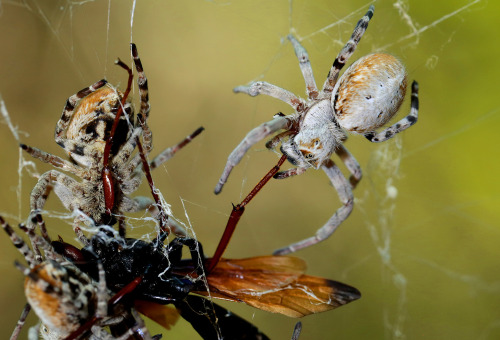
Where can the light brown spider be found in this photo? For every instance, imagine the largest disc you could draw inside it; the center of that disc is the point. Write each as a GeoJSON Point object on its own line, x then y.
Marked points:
{"type": "Point", "coordinates": [364, 99]}
{"type": "Point", "coordinates": [100, 142]}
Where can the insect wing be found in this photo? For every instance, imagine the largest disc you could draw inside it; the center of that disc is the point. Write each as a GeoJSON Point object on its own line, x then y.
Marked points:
{"type": "Point", "coordinates": [277, 284]}
{"type": "Point", "coordinates": [163, 315]}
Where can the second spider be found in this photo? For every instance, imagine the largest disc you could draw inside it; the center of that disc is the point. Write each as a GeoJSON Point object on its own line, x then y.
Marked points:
{"type": "Point", "coordinates": [98, 132]}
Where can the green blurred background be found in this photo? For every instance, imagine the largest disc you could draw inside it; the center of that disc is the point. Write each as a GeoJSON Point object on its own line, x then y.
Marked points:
{"type": "Point", "coordinates": [422, 243]}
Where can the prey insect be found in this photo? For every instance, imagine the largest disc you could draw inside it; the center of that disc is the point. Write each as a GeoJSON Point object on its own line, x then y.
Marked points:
{"type": "Point", "coordinates": [364, 99]}
{"type": "Point", "coordinates": [272, 283]}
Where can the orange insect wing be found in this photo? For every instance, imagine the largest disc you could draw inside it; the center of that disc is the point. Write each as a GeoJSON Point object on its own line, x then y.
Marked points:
{"type": "Point", "coordinates": [163, 315]}
{"type": "Point", "coordinates": [277, 284]}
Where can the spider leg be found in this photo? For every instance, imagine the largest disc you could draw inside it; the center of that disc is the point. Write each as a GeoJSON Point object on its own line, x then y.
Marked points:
{"type": "Point", "coordinates": [78, 232]}
{"type": "Point", "coordinates": [129, 184]}
{"type": "Point", "coordinates": [170, 152]}
{"type": "Point", "coordinates": [403, 124]}
{"type": "Point", "coordinates": [142, 116]}
{"type": "Point", "coordinates": [32, 257]}
{"type": "Point", "coordinates": [296, 331]}
{"type": "Point", "coordinates": [164, 156]}
{"type": "Point", "coordinates": [262, 87]}
{"type": "Point", "coordinates": [253, 137]}
{"type": "Point", "coordinates": [271, 144]}
{"type": "Point", "coordinates": [63, 186]}
{"type": "Point", "coordinates": [55, 161]}
{"type": "Point", "coordinates": [133, 174]}
{"type": "Point", "coordinates": [102, 312]}
{"type": "Point", "coordinates": [41, 242]}
{"type": "Point", "coordinates": [289, 173]}
{"type": "Point", "coordinates": [138, 331]}
{"type": "Point", "coordinates": [139, 203]}
{"type": "Point", "coordinates": [19, 243]}
{"type": "Point", "coordinates": [140, 326]}
{"type": "Point", "coordinates": [351, 163]}
{"type": "Point", "coordinates": [305, 67]}
{"type": "Point", "coordinates": [122, 228]}
{"type": "Point", "coordinates": [102, 293]}
{"type": "Point", "coordinates": [174, 227]}
{"type": "Point", "coordinates": [71, 103]}
{"type": "Point", "coordinates": [344, 191]}
{"type": "Point", "coordinates": [96, 322]}
{"type": "Point", "coordinates": [21, 322]}
{"type": "Point", "coordinates": [347, 51]}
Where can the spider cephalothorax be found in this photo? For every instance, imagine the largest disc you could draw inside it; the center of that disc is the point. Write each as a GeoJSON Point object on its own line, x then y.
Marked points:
{"type": "Point", "coordinates": [364, 99]}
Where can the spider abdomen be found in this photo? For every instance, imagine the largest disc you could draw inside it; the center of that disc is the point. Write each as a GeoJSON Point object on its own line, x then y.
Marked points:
{"type": "Point", "coordinates": [369, 93]}
{"type": "Point", "coordinates": [49, 283]}
{"type": "Point", "coordinates": [91, 123]}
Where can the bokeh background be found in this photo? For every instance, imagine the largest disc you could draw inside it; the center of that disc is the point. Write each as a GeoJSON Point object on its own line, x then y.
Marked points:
{"type": "Point", "coordinates": [422, 244]}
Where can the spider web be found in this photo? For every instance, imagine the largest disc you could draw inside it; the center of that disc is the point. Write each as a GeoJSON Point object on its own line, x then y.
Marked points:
{"type": "Point", "coordinates": [421, 243]}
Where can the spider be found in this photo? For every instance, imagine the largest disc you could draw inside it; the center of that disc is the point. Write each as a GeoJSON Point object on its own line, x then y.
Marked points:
{"type": "Point", "coordinates": [65, 298]}
{"type": "Point", "coordinates": [364, 99]}
{"type": "Point", "coordinates": [100, 142]}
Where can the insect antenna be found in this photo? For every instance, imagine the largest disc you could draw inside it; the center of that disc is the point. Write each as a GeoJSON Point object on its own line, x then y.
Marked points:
{"type": "Point", "coordinates": [236, 214]}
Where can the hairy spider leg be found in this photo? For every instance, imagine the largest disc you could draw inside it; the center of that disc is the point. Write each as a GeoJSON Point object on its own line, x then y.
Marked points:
{"type": "Point", "coordinates": [296, 331]}
{"type": "Point", "coordinates": [20, 322]}
{"type": "Point", "coordinates": [253, 137]}
{"type": "Point", "coordinates": [401, 125]}
{"type": "Point", "coordinates": [162, 216]}
{"type": "Point", "coordinates": [347, 51]}
{"type": "Point", "coordinates": [344, 191]}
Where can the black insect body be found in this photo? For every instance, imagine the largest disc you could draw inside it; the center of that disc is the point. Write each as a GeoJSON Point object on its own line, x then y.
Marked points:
{"type": "Point", "coordinates": [125, 260]}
